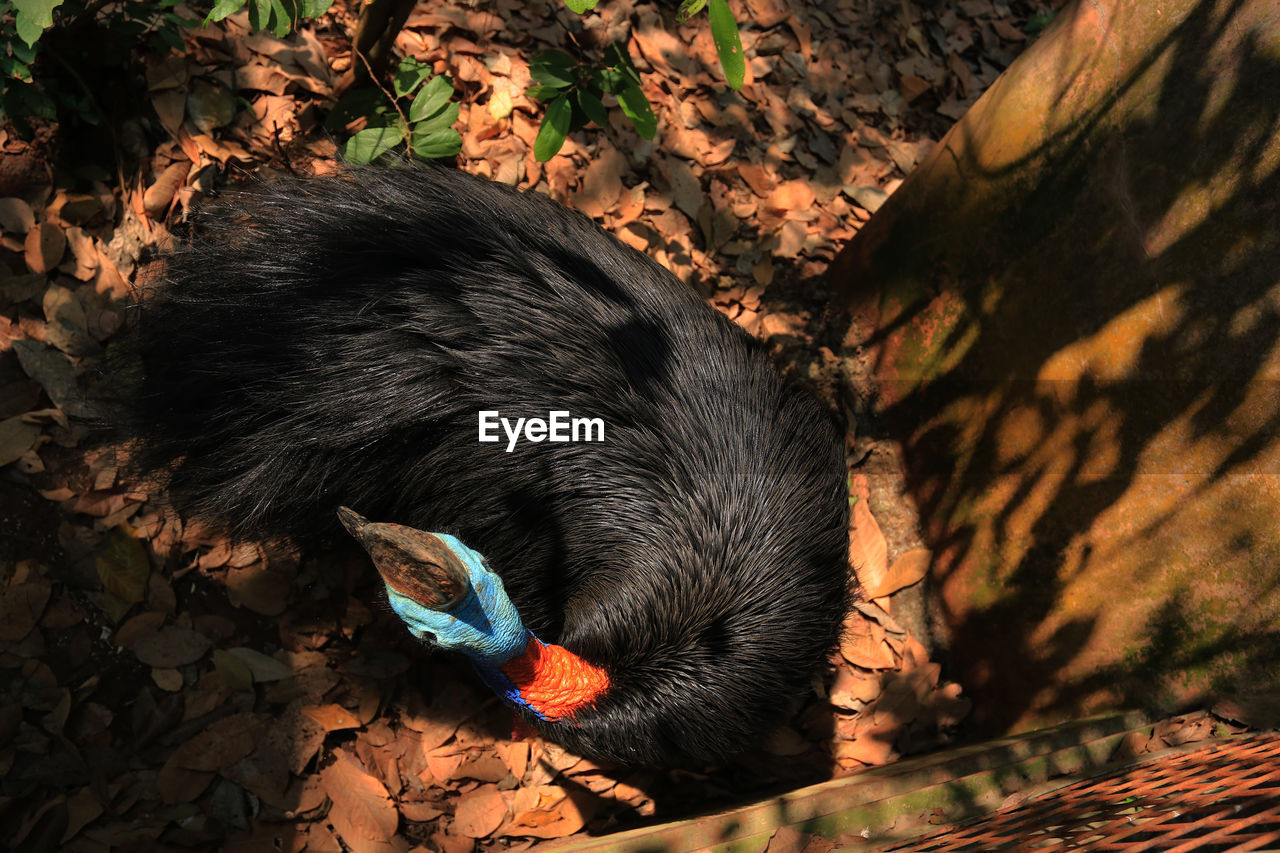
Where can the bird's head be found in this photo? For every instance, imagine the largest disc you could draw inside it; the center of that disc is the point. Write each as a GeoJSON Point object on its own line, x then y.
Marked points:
{"type": "Point", "coordinates": [446, 595]}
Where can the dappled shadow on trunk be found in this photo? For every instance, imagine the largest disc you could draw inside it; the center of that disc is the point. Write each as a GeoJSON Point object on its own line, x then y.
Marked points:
{"type": "Point", "coordinates": [1074, 310]}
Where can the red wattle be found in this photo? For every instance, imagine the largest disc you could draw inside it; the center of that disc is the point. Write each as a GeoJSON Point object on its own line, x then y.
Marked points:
{"type": "Point", "coordinates": [553, 681]}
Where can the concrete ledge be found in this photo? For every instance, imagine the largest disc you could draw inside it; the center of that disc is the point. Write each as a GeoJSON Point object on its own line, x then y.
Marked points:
{"type": "Point", "coordinates": [893, 801]}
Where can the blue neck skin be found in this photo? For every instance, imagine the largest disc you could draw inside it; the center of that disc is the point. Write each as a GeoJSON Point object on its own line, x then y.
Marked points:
{"type": "Point", "coordinates": [484, 625]}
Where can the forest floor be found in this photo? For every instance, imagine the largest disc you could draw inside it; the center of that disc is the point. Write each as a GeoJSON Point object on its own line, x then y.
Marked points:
{"type": "Point", "coordinates": [164, 687]}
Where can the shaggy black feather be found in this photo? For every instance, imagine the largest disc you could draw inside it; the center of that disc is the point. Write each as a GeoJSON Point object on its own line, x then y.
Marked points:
{"type": "Point", "coordinates": [330, 341]}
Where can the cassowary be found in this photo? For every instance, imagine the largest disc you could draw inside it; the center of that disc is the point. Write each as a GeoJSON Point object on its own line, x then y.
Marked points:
{"type": "Point", "coordinates": [659, 594]}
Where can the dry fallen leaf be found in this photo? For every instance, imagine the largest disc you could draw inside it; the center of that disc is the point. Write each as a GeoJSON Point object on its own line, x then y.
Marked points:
{"type": "Point", "coordinates": [171, 646]}
{"type": "Point", "coordinates": [260, 589]}
{"type": "Point", "coordinates": [45, 245]}
{"type": "Point", "coordinates": [221, 744]}
{"type": "Point", "coordinates": [792, 195]}
{"type": "Point", "coordinates": [263, 667]}
{"type": "Point", "coordinates": [16, 438]}
{"type": "Point", "coordinates": [878, 615]}
{"type": "Point", "coordinates": [124, 568]}
{"type": "Point", "coordinates": [67, 326]}
{"type": "Point", "coordinates": [868, 552]}
{"type": "Point", "coordinates": [686, 189]}
{"type": "Point", "coordinates": [210, 107]}
{"type": "Point", "coordinates": [169, 680]}
{"type": "Point", "coordinates": [758, 179]}
{"type": "Point", "coordinates": [233, 671]}
{"type": "Point", "coordinates": [160, 194]}
{"type": "Point", "coordinates": [500, 101]}
{"type": "Point", "coordinates": [137, 627]}
{"type": "Point", "coordinates": [872, 745]}
{"type": "Point", "coordinates": [483, 767]}
{"type": "Point", "coordinates": [480, 812]}
{"type": "Point", "coordinates": [177, 784]}
{"type": "Point", "coordinates": [1259, 710]}
{"type": "Point", "coordinates": [867, 650]}
{"type": "Point", "coordinates": [908, 569]}
{"type": "Point", "coordinates": [443, 762]}
{"type": "Point", "coordinates": [83, 808]}
{"type": "Point", "coordinates": [868, 198]}
{"type": "Point", "coordinates": [852, 690]}
{"type": "Point", "coordinates": [20, 288]}
{"type": "Point", "coordinates": [362, 812]}
{"type": "Point", "coordinates": [332, 717]}
{"type": "Point", "coordinates": [55, 374]}
{"type": "Point", "coordinates": [22, 602]}
{"type": "Point", "coordinates": [438, 721]}
{"type": "Point", "coordinates": [601, 184]}
{"type": "Point", "coordinates": [556, 814]}
{"type": "Point", "coordinates": [515, 755]}
{"type": "Point", "coordinates": [295, 737]}
{"type": "Point", "coordinates": [16, 216]}
{"type": "Point", "coordinates": [84, 252]}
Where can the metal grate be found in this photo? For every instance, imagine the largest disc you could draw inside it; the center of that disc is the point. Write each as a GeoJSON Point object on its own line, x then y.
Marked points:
{"type": "Point", "coordinates": [1220, 797]}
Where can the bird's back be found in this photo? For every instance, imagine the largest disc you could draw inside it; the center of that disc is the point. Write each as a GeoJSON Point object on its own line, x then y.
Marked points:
{"type": "Point", "coordinates": [334, 340]}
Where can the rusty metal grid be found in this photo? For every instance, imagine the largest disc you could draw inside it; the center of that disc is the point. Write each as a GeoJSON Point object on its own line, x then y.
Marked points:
{"type": "Point", "coordinates": [1222, 797]}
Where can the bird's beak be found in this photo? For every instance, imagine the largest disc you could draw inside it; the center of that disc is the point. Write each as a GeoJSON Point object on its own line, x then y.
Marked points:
{"type": "Point", "coordinates": [414, 563]}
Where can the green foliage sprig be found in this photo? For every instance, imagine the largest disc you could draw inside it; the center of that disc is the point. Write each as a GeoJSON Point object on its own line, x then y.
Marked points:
{"type": "Point", "coordinates": [573, 90]}
{"type": "Point", "coordinates": [277, 16]}
{"type": "Point", "coordinates": [724, 32]}
{"type": "Point", "coordinates": [418, 112]}
{"type": "Point", "coordinates": [574, 94]}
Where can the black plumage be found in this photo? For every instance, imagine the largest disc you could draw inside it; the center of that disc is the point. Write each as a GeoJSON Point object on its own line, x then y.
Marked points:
{"type": "Point", "coordinates": [330, 341]}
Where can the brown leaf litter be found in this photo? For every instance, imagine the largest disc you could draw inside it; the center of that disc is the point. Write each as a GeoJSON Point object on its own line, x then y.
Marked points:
{"type": "Point", "coordinates": [166, 688]}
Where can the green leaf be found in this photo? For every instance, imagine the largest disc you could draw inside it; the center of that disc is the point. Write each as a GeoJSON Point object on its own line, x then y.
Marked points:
{"type": "Point", "coordinates": [409, 75]}
{"type": "Point", "coordinates": [616, 56]}
{"type": "Point", "coordinates": [581, 6]}
{"type": "Point", "coordinates": [636, 107]}
{"type": "Point", "coordinates": [171, 39]}
{"type": "Point", "coordinates": [24, 53]}
{"type": "Point", "coordinates": [724, 32]}
{"type": "Point", "coordinates": [371, 143]}
{"type": "Point", "coordinates": [177, 21]}
{"type": "Point", "coordinates": [440, 121]}
{"type": "Point", "coordinates": [611, 80]}
{"type": "Point", "coordinates": [283, 19]}
{"type": "Point", "coordinates": [222, 9]}
{"type": "Point", "coordinates": [431, 99]}
{"type": "Point", "coordinates": [33, 18]}
{"type": "Point", "coordinates": [313, 8]}
{"type": "Point", "coordinates": [554, 68]}
{"type": "Point", "coordinates": [688, 9]}
{"type": "Point", "coordinates": [28, 30]}
{"type": "Point", "coordinates": [26, 99]}
{"type": "Point", "coordinates": [434, 144]}
{"type": "Point", "coordinates": [555, 126]}
{"type": "Point", "coordinates": [11, 68]}
{"type": "Point", "coordinates": [577, 119]}
{"type": "Point", "coordinates": [589, 102]}
{"type": "Point", "coordinates": [542, 93]}
{"type": "Point", "coordinates": [259, 14]}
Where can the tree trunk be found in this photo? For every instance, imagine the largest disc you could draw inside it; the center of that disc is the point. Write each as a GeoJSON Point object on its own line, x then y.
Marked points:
{"type": "Point", "coordinates": [380, 22]}
{"type": "Point", "coordinates": [1073, 308]}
